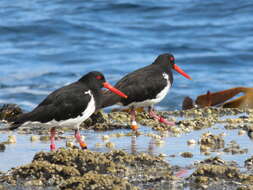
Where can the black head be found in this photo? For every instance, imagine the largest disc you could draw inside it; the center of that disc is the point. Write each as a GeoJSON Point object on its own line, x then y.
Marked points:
{"type": "Point", "coordinates": [93, 79]}
{"type": "Point", "coordinates": [165, 60]}
{"type": "Point", "coordinates": [96, 80]}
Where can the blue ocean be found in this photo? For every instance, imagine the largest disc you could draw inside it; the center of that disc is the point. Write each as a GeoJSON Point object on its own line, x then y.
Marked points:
{"type": "Point", "coordinates": [45, 45]}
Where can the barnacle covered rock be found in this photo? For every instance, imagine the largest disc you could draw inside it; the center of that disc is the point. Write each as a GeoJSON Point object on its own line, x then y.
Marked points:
{"type": "Point", "coordinates": [78, 169]}
{"type": "Point", "coordinates": [94, 181]}
{"type": "Point", "coordinates": [43, 172]}
{"type": "Point", "coordinates": [212, 141]}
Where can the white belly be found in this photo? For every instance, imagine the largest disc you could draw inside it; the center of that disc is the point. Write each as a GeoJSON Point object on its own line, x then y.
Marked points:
{"type": "Point", "coordinates": [90, 109]}
{"type": "Point", "coordinates": [151, 102]}
{"type": "Point", "coordinates": [159, 97]}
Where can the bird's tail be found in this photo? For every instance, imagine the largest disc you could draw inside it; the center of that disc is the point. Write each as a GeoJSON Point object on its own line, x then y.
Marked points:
{"type": "Point", "coordinates": [12, 127]}
{"type": "Point", "coordinates": [109, 99]}
{"type": "Point", "coordinates": [16, 122]}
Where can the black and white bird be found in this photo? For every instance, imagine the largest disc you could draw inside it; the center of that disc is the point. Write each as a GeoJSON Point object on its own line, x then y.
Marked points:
{"type": "Point", "coordinates": [145, 87]}
{"type": "Point", "coordinates": [70, 105]}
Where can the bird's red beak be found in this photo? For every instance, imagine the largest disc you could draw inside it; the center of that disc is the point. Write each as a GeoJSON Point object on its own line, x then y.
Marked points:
{"type": "Point", "coordinates": [179, 70]}
{"type": "Point", "coordinates": [114, 90]}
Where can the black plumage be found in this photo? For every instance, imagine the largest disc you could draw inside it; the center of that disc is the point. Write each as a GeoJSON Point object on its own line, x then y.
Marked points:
{"type": "Point", "coordinates": [142, 84]}
{"type": "Point", "coordinates": [67, 102]}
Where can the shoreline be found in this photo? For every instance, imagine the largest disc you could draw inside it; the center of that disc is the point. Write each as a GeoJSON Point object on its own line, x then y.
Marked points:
{"type": "Point", "coordinates": [210, 172]}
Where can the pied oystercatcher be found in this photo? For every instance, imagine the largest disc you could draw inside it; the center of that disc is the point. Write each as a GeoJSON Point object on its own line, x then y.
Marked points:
{"type": "Point", "coordinates": [69, 106]}
{"type": "Point", "coordinates": [146, 87]}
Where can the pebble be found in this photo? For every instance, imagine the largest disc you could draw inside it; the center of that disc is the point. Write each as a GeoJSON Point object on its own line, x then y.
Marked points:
{"type": "Point", "coordinates": [241, 132]}
{"type": "Point", "coordinates": [2, 147]}
{"type": "Point", "coordinates": [186, 154]}
{"type": "Point", "coordinates": [223, 134]}
{"type": "Point", "coordinates": [204, 148]}
{"type": "Point", "coordinates": [191, 142]}
{"type": "Point", "coordinates": [162, 155]}
{"type": "Point", "coordinates": [34, 138]}
{"type": "Point", "coordinates": [11, 139]}
{"type": "Point", "coordinates": [105, 137]}
{"type": "Point", "coordinates": [110, 145]}
{"type": "Point", "coordinates": [98, 145]}
{"type": "Point", "coordinates": [159, 142]}
{"type": "Point", "coordinates": [69, 144]}
{"type": "Point", "coordinates": [120, 134]}
{"type": "Point", "coordinates": [44, 138]}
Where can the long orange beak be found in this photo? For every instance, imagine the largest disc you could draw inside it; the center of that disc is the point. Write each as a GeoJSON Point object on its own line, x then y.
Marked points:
{"type": "Point", "coordinates": [114, 90]}
{"type": "Point", "coordinates": [179, 70]}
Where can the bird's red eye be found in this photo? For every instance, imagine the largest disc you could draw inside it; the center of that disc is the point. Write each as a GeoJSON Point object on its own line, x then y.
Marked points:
{"type": "Point", "coordinates": [172, 59]}
{"type": "Point", "coordinates": [99, 77]}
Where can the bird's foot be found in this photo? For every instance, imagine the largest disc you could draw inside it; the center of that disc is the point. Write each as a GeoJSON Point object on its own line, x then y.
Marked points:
{"type": "Point", "coordinates": [83, 145]}
{"type": "Point", "coordinates": [134, 126]}
{"type": "Point", "coordinates": [166, 122]}
{"type": "Point", "coordinates": [52, 147]}
{"type": "Point", "coordinates": [182, 173]}
{"type": "Point", "coordinates": [161, 119]}
{"type": "Point", "coordinates": [78, 137]}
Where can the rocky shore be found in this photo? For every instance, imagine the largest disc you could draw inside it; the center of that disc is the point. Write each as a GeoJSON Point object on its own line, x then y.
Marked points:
{"type": "Point", "coordinates": [72, 168]}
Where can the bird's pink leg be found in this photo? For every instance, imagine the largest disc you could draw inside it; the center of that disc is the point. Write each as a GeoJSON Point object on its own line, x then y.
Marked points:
{"type": "Point", "coordinates": [52, 138]}
{"type": "Point", "coordinates": [159, 118]}
{"type": "Point", "coordinates": [134, 126]}
{"type": "Point", "coordinates": [182, 173]}
{"type": "Point", "coordinates": [78, 137]}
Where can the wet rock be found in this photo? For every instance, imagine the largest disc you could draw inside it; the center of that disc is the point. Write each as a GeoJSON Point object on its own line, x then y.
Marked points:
{"type": "Point", "coordinates": [234, 148]}
{"type": "Point", "coordinates": [215, 172]}
{"type": "Point", "coordinates": [106, 126]}
{"type": "Point", "coordinates": [105, 137]}
{"type": "Point", "coordinates": [8, 111]}
{"type": "Point", "coordinates": [87, 160]}
{"type": "Point", "coordinates": [45, 138]}
{"type": "Point", "coordinates": [95, 118]}
{"type": "Point", "coordinates": [191, 142]}
{"type": "Point", "coordinates": [47, 173]}
{"type": "Point", "coordinates": [67, 168]}
{"type": "Point", "coordinates": [94, 181]}
{"type": "Point", "coordinates": [196, 124]}
{"type": "Point", "coordinates": [69, 144]}
{"type": "Point", "coordinates": [214, 161]}
{"type": "Point", "coordinates": [98, 145]}
{"type": "Point", "coordinates": [2, 147]}
{"type": "Point", "coordinates": [34, 138]}
{"type": "Point", "coordinates": [187, 103]}
{"type": "Point", "coordinates": [159, 142]}
{"type": "Point", "coordinates": [245, 187]}
{"type": "Point", "coordinates": [249, 163]}
{"type": "Point", "coordinates": [110, 145]}
{"type": "Point", "coordinates": [36, 182]}
{"type": "Point", "coordinates": [212, 141]}
{"type": "Point", "coordinates": [11, 139]}
{"type": "Point", "coordinates": [187, 154]}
